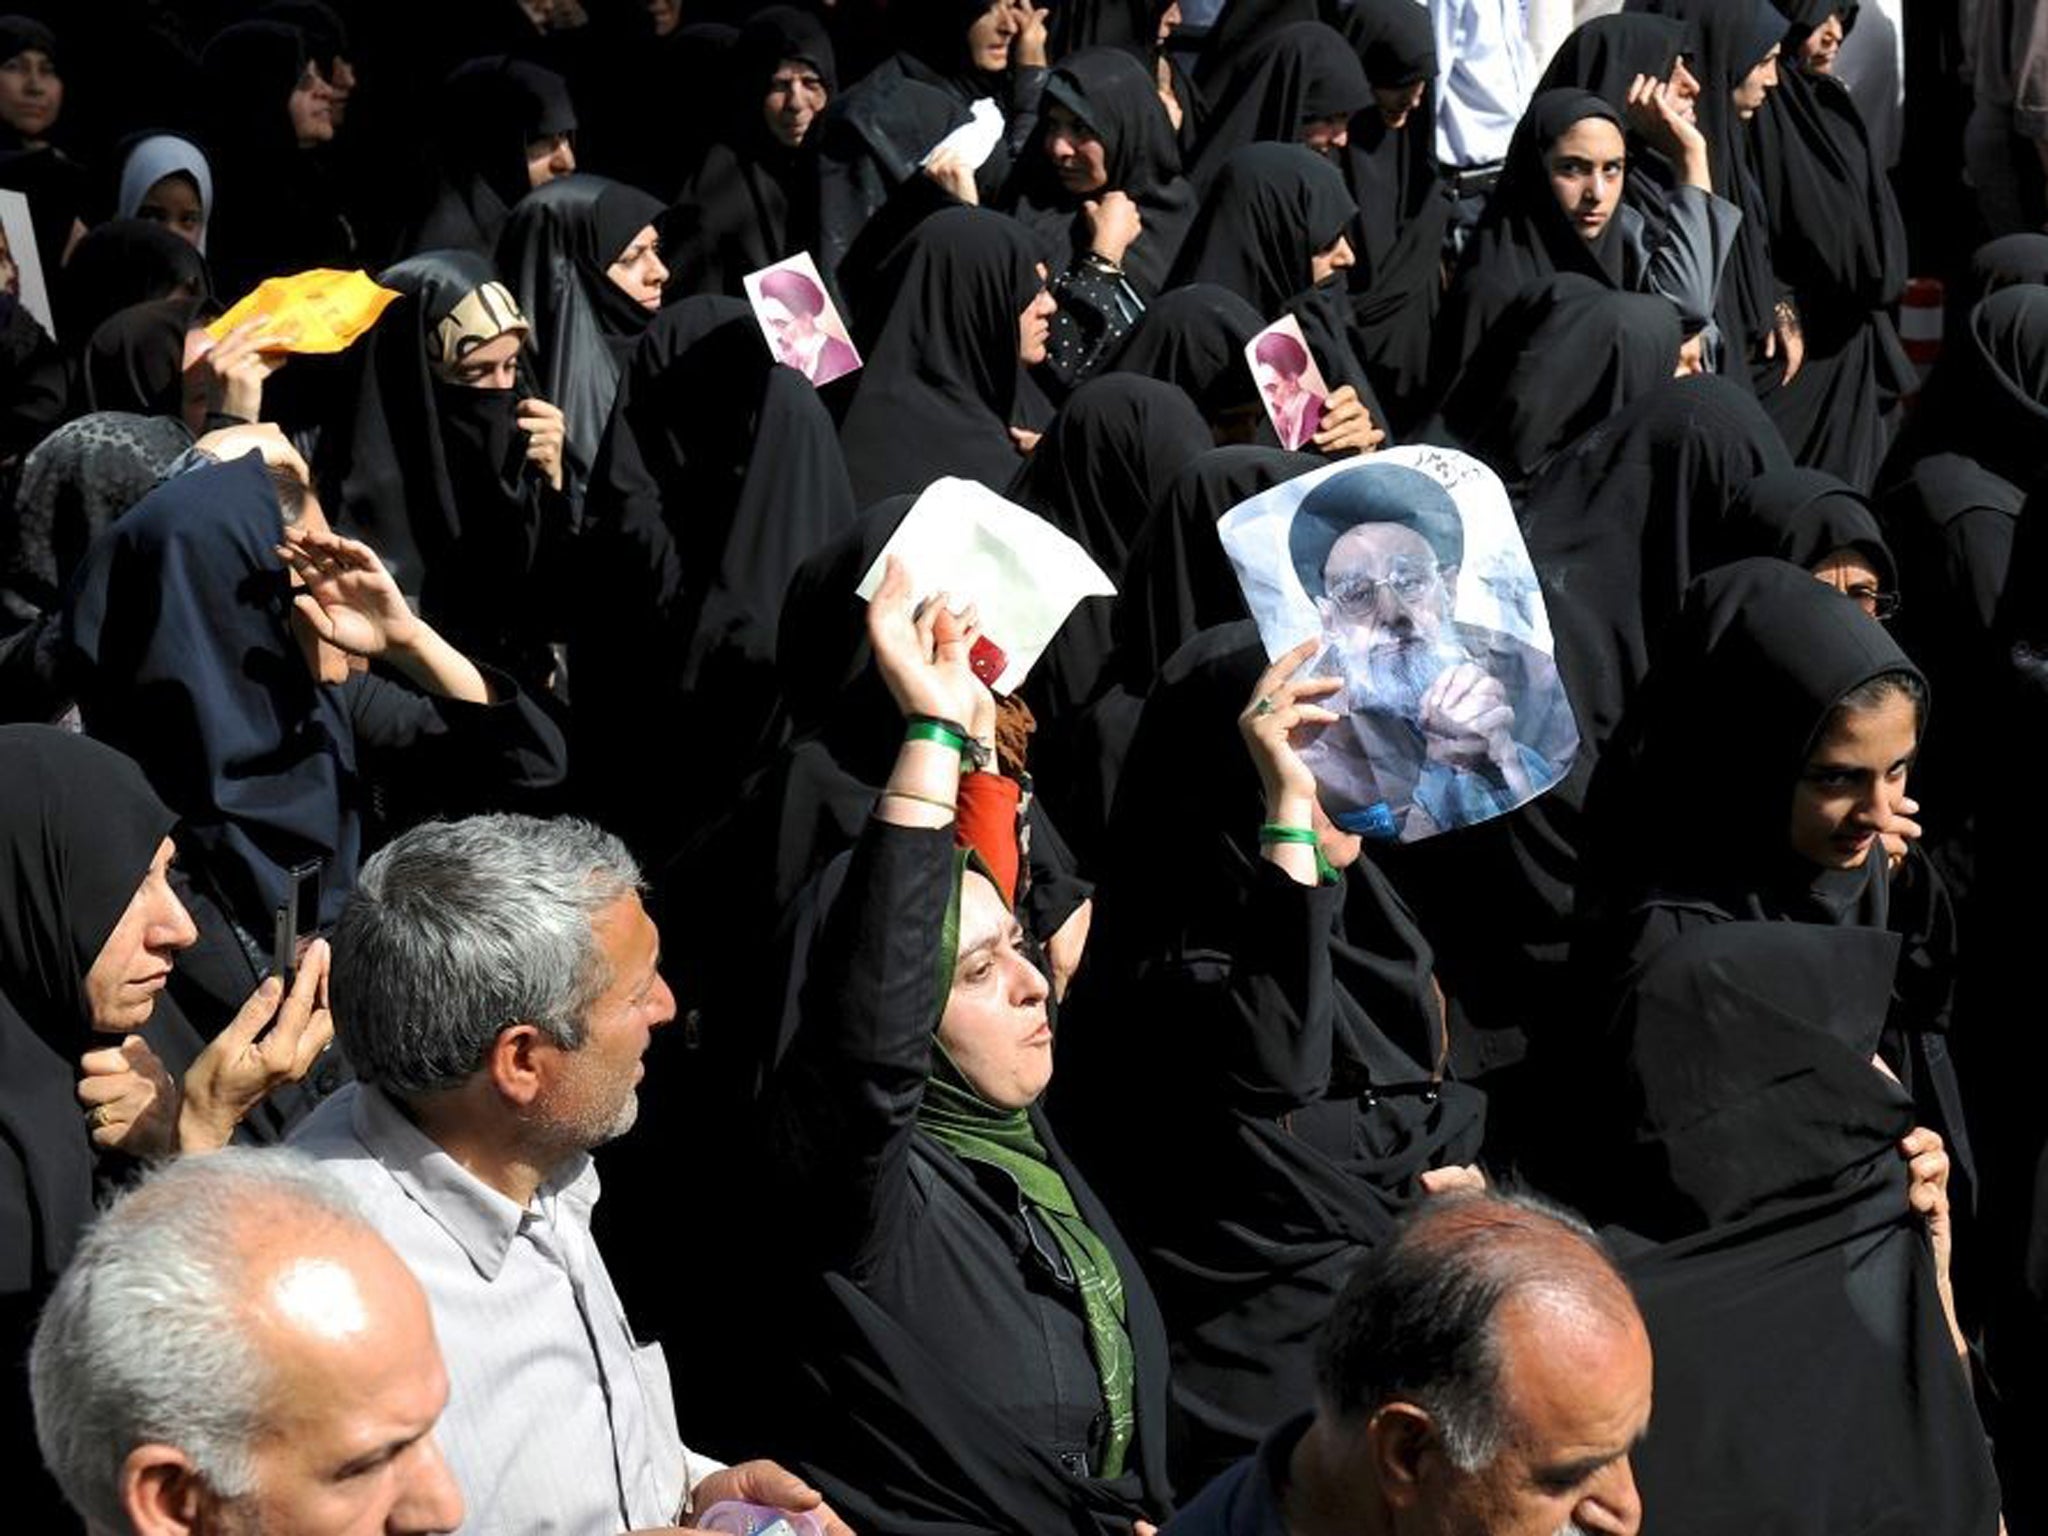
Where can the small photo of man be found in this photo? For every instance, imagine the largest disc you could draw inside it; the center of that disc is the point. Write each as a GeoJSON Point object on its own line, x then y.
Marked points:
{"type": "Point", "coordinates": [1290, 384]}
{"type": "Point", "coordinates": [800, 321]}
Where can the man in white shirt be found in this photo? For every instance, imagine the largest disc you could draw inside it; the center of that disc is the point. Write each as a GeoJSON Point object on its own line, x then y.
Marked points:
{"type": "Point", "coordinates": [496, 982]}
{"type": "Point", "coordinates": [1484, 79]}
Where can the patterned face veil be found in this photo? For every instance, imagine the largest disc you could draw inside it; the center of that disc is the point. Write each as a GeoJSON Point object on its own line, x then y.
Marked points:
{"type": "Point", "coordinates": [483, 315]}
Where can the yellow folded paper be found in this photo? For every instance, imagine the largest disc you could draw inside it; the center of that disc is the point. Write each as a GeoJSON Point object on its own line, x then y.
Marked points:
{"type": "Point", "coordinates": [324, 310]}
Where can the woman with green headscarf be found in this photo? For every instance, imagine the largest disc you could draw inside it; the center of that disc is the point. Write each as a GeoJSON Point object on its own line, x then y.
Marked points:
{"type": "Point", "coordinates": [986, 1355]}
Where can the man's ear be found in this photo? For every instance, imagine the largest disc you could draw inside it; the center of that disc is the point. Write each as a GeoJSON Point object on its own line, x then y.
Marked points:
{"type": "Point", "coordinates": [1402, 1442]}
{"type": "Point", "coordinates": [519, 1061]}
{"type": "Point", "coordinates": [161, 1491]}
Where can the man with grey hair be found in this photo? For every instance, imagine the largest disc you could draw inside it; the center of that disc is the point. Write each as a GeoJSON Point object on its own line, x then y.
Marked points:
{"type": "Point", "coordinates": [496, 982]}
{"type": "Point", "coordinates": [233, 1350]}
{"type": "Point", "coordinates": [1484, 1372]}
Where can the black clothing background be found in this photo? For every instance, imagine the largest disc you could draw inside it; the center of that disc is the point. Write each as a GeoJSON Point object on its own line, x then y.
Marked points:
{"type": "Point", "coordinates": [117, 264]}
{"type": "Point", "coordinates": [1194, 335]}
{"type": "Point", "coordinates": [1288, 77]}
{"type": "Point", "coordinates": [1803, 516]}
{"type": "Point", "coordinates": [1294, 1035]}
{"type": "Point", "coordinates": [942, 357]}
{"type": "Point", "coordinates": [720, 473]}
{"type": "Point", "coordinates": [487, 112]}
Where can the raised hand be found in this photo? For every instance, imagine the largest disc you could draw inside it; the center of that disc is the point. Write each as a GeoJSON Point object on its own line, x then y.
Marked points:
{"type": "Point", "coordinates": [546, 432]}
{"type": "Point", "coordinates": [922, 651]}
{"type": "Point", "coordinates": [1113, 223]}
{"type": "Point", "coordinates": [131, 1101]}
{"type": "Point", "coordinates": [1347, 426]}
{"type": "Point", "coordinates": [949, 170]}
{"type": "Point", "coordinates": [1654, 113]}
{"type": "Point", "coordinates": [237, 1071]}
{"type": "Point", "coordinates": [1279, 703]}
{"type": "Point", "coordinates": [237, 366]}
{"type": "Point", "coordinates": [349, 598]}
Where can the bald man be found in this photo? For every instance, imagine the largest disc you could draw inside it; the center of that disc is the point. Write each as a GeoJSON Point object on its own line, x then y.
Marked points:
{"type": "Point", "coordinates": [1485, 1372]}
{"type": "Point", "coordinates": [234, 1352]}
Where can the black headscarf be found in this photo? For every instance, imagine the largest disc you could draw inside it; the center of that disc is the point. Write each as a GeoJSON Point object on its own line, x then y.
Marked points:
{"type": "Point", "coordinates": [1524, 236]}
{"type": "Point", "coordinates": [1987, 400]}
{"type": "Point", "coordinates": [1732, 37]}
{"type": "Point", "coordinates": [1605, 54]}
{"type": "Point", "coordinates": [1803, 516]}
{"type": "Point", "coordinates": [1295, 1124]}
{"type": "Point", "coordinates": [1567, 354]}
{"type": "Point", "coordinates": [1194, 336]}
{"type": "Point", "coordinates": [123, 262]}
{"type": "Point", "coordinates": [720, 474]}
{"type": "Point", "coordinates": [135, 360]}
{"type": "Point", "coordinates": [278, 209]}
{"type": "Point", "coordinates": [188, 665]}
{"type": "Point", "coordinates": [79, 829]}
{"type": "Point", "coordinates": [1107, 89]}
{"type": "Point", "coordinates": [1292, 76]}
{"type": "Point", "coordinates": [2010, 259]}
{"type": "Point", "coordinates": [944, 357]}
{"type": "Point", "coordinates": [742, 209]}
{"type": "Point", "coordinates": [1271, 208]}
{"type": "Point", "coordinates": [553, 254]}
{"type": "Point", "coordinates": [486, 113]}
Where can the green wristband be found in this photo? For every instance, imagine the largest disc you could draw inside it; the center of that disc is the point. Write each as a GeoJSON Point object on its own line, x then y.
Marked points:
{"type": "Point", "coordinates": [934, 731]}
{"type": "Point", "coordinates": [1280, 832]}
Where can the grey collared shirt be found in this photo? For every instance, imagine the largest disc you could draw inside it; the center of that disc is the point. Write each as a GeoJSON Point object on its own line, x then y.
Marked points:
{"type": "Point", "coordinates": [558, 1422]}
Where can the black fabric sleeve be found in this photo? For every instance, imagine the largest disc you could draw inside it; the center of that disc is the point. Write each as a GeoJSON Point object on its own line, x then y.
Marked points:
{"type": "Point", "coordinates": [450, 756]}
{"type": "Point", "coordinates": [1275, 1015]}
{"type": "Point", "coordinates": [844, 1105]}
{"type": "Point", "coordinates": [1097, 311]}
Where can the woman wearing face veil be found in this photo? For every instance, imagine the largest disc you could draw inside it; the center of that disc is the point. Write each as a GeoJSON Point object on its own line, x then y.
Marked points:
{"type": "Point", "coordinates": [951, 55]}
{"type": "Point", "coordinates": [937, 1205]}
{"type": "Point", "coordinates": [1289, 1019]}
{"type": "Point", "coordinates": [1816, 823]}
{"type": "Point", "coordinates": [579, 256]}
{"type": "Point", "coordinates": [966, 305]}
{"type": "Point", "coordinates": [1559, 207]}
{"type": "Point", "coordinates": [1272, 231]}
{"type": "Point", "coordinates": [449, 470]}
{"type": "Point", "coordinates": [1745, 1113]}
{"type": "Point", "coordinates": [742, 209]}
{"type": "Point", "coordinates": [503, 127]}
{"type": "Point", "coordinates": [193, 651]}
{"type": "Point", "coordinates": [279, 210]}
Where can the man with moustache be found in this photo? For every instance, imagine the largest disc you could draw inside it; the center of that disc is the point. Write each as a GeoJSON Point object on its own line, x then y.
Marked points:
{"type": "Point", "coordinates": [496, 983]}
{"type": "Point", "coordinates": [1431, 737]}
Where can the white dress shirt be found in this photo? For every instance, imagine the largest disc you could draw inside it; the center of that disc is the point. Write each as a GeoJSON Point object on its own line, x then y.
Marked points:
{"type": "Point", "coordinates": [1484, 77]}
{"type": "Point", "coordinates": [558, 1423]}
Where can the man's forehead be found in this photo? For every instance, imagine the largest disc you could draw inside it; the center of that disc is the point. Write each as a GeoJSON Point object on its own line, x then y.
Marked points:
{"type": "Point", "coordinates": [1381, 541]}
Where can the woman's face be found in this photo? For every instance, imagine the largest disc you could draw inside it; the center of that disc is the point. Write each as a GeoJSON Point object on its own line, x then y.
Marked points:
{"type": "Point", "coordinates": [1168, 20]}
{"type": "Point", "coordinates": [135, 962]}
{"type": "Point", "coordinates": [547, 157]}
{"type": "Point", "coordinates": [173, 201]}
{"type": "Point", "coordinates": [312, 109]}
{"type": "Point", "coordinates": [1324, 135]}
{"type": "Point", "coordinates": [1586, 166]}
{"type": "Point", "coordinates": [1756, 85]}
{"type": "Point", "coordinates": [10, 272]}
{"type": "Point", "coordinates": [494, 365]}
{"type": "Point", "coordinates": [1397, 101]}
{"type": "Point", "coordinates": [1849, 573]}
{"type": "Point", "coordinates": [639, 270]}
{"type": "Point", "coordinates": [31, 93]}
{"type": "Point", "coordinates": [1692, 356]}
{"type": "Point", "coordinates": [989, 39]}
{"type": "Point", "coordinates": [1823, 46]}
{"type": "Point", "coordinates": [341, 85]}
{"type": "Point", "coordinates": [995, 1028]}
{"type": "Point", "coordinates": [1685, 90]}
{"type": "Point", "coordinates": [1853, 781]}
{"type": "Point", "coordinates": [1034, 325]}
{"type": "Point", "coordinates": [1077, 155]}
{"type": "Point", "coordinates": [796, 95]}
{"type": "Point", "coordinates": [1331, 259]}
{"type": "Point", "coordinates": [666, 15]}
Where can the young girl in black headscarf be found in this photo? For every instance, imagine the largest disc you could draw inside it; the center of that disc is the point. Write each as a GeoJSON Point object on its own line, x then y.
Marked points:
{"type": "Point", "coordinates": [967, 304]}
{"type": "Point", "coordinates": [581, 257]}
{"type": "Point", "coordinates": [746, 202]}
{"type": "Point", "coordinates": [1559, 207]}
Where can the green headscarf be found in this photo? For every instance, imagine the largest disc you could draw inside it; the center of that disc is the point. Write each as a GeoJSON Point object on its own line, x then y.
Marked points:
{"type": "Point", "coordinates": [976, 1131]}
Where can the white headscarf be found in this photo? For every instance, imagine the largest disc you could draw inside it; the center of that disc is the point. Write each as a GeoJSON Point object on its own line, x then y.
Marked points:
{"type": "Point", "coordinates": [149, 162]}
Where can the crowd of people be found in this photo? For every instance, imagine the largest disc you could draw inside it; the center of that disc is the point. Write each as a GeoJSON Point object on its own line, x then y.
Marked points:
{"type": "Point", "coordinates": [1081, 1115]}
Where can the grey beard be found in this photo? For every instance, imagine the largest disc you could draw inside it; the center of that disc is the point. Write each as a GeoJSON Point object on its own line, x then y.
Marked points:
{"type": "Point", "coordinates": [1393, 678]}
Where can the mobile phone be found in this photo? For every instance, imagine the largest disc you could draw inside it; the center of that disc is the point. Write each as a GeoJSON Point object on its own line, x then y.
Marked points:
{"type": "Point", "coordinates": [295, 918]}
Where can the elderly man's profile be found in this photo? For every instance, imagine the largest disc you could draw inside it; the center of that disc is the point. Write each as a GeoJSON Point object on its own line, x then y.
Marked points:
{"type": "Point", "coordinates": [798, 318]}
{"type": "Point", "coordinates": [1446, 723]}
{"type": "Point", "coordinates": [1290, 384]}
